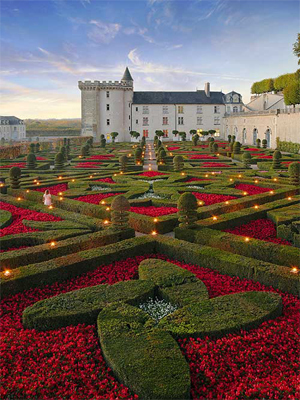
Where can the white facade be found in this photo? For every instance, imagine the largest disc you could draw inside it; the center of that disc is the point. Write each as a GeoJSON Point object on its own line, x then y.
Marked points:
{"type": "Point", "coordinates": [114, 107]}
{"type": "Point", "coordinates": [12, 128]}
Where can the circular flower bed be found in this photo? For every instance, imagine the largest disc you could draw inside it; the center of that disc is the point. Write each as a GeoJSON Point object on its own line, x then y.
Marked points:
{"type": "Point", "coordinates": [55, 189]}
{"type": "Point", "coordinates": [68, 362]}
{"type": "Point", "coordinates": [210, 199]}
{"type": "Point", "coordinates": [95, 198]}
{"type": "Point", "coordinates": [18, 214]}
{"type": "Point", "coordinates": [262, 229]}
{"type": "Point", "coordinates": [154, 211]}
{"type": "Point", "coordinates": [251, 189]}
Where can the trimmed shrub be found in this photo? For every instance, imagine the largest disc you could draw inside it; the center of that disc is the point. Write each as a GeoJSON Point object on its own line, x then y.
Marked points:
{"type": "Point", "coordinates": [237, 148]}
{"type": "Point", "coordinates": [258, 141]}
{"type": "Point", "coordinates": [37, 147]}
{"type": "Point", "coordinates": [162, 155]}
{"type": "Point", "coordinates": [294, 173]}
{"type": "Point", "coordinates": [215, 147]}
{"type": "Point", "coordinates": [63, 151]}
{"type": "Point", "coordinates": [276, 159]}
{"type": "Point", "coordinates": [247, 159]}
{"type": "Point", "coordinates": [15, 175]}
{"type": "Point", "coordinates": [187, 206]}
{"type": "Point", "coordinates": [178, 163]}
{"type": "Point", "coordinates": [123, 160]}
{"type": "Point", "coordinates": [119, 215]}
{"type": "Point", "coordinates": [138, 155]}
{"type": "Point", "coordinates": [233, 139]}
{"type": "Point", "coordinates": [59, 161]}
{"type": "Point", "coordinates": [32, 147]}
{"type": "Point", "coordinates": [103, 142]}
{"type": "Point", "coordinates": [85, 150]}
{"type": "Point", "coordinates": [229, 138]}
{"type": "Point", "coordinates": [195, 140]}
{"type": "Point", "coordinates": [31, 161]}
{"type": "Point", "coordinates": [264, 143]}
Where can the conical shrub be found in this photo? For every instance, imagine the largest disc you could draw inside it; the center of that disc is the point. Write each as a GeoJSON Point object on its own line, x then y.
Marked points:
{"type": "Point", "coordinates": [276, 159]}
{"type": "Point", "coordinates": [59, 161]}
{"type": "Point", "coordinates": [119, 215]}
{"type": "Point", "coordinates": [187, 210]}
{"type": "Point", "coordinates": [294, 173]}
{"type": "Point", "coordinates": [178, 163]}
{"type": "Point", "coordinates": [15, 175]}
{"type": "Point", "coordinates": [31, 161]}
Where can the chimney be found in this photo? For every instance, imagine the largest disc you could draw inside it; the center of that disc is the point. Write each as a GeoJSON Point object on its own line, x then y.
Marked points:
{"type": "Point", "coordinates": [207, 89]}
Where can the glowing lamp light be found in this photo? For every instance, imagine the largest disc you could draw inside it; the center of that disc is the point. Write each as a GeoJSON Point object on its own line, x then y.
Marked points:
{"type": "Point", "coordinates": [272, 192]}
{"type": "Point", "coordinates": [212, 173]}
{"type": "Point", "coordinates": [121, 173]}
{"type": "Point", "coordinates": [80, 157]}
{"type": "Point", "coordinates": [38, 183]}
{"type": "Point", "coordinates": [102, 202]}
{"type": "Point", "coordinates": [155, 220]}
{"type": "Point", "coordinates": [60, 177]}
{"type": "Point", "coordinates": [7, 272]}
{"type": "Point", "coordinates": [247, 239]}
{"type": "Point", "coordinates": [226, 202]}
{"type": "Point", "coordinates": [256, 207]}
{"type": "Point", "coordinates": [275, 179]}
{"type": "Point", "coordinates": [294, 270]}
{"type": "Point", "coordinates": [200, 203]}
{"type": "Point", "coordinates": [52, 244]}
{"type": "Point", "coordinates": [61, 198]}
{"type": "Point", "coordinates": [115, 174]}
{"type": "Point", "coordinates": [230, 179]}
{"type": "Point", "coordinates": [27, 191]}
{"type": "Point", "coordinates": [73, 180]}
{"type": "Point", "coordinates": [153, 233]}
{"type": "Point", "coordinates": [240, 176]}
{"type": "Point", "coordinates": [245, 193]}
{"type": "Point", "coordinates": [91, 176]}
{"type": "Point", "coordinates": [206, 176]}
{"type": "Point", "coordinates": [50, 207]}
{"type": "Point", "coordinates": [182, 173]}
{"type": "Point", "coordinates": [289, 198]}
{"type": "Point", "coordinates": [2, 184]}
{"type": "Point", "coordinates": [215, 218]}
{"type": "Point", "coordinates": [106, 222]}
{"type": "Point", "coordinates": [218, 154]}
{"type": "Point", "coordinates": [60, 194]}
{"type": "Point", "coordinates": [107, 208]}
{"type": "Point", "coordinates": [256, 181]}
{"type": "Point", "coordinates": [19, 198]}
{"type": "Point", "coordinates": [35, 181]}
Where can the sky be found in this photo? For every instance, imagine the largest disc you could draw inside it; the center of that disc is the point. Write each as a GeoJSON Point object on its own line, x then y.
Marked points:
{"type": "Point", "coordinates": [47, 46]}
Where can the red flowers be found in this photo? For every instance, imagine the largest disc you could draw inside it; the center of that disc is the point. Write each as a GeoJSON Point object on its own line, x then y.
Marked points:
{"type": "Point", "coordinates": [105, 180]}
{"type": "Point", "coordinates": [152, 211]}
{"type": "Point", "coordinates": [88, 165]}
{"type": "Point", "coordinates": [252, 149]}
{"type": "Point", "coordinates": [196, 179]}
{"type": "Point", "coordinates": [264, 157]}
{"type": "Point", "coordinates": [212, 198]}
{"type": "Point", "coordinates": [101, 157]}
{"type": "Point", "coordinates": [150, 174]}
{"type": "Point", "coordinates": [55, 189]}
{"type": "Point", "coordinates": [262, 229]}
{"type": "Point", "coordinates": [20, 165]}
{"type": "Point", "coordinates": [68, 362]}
{"type": "Point", "coordinates": [203, 157]}
{"type": "Point", "coordinates": [95, 198]}
{"type": "Point", "coordinates": [18, 215]}
{"type": "Point", "coordinates": [251, 189]}
{"type": "Point", "coordinates": [173, 148]}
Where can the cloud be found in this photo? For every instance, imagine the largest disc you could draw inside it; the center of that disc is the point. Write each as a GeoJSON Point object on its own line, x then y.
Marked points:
{"type": "Point", "coordinates": [175, 46]}
{"type": "Point", "coordinates": [103, 32]}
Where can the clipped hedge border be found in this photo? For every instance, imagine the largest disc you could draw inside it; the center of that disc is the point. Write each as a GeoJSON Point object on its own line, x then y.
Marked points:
{"type": "Point", "coordinates": [254, 248]}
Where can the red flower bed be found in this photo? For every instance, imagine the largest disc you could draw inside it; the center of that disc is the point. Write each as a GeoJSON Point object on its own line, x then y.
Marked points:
{"type": "Point", "coordinates": [264, 157]}
{"type": "Point", "coordinates": [68, 362]}
{"type": "Point", "coordinates": [88, 165]}
{"type": "Point", "coordinates": [105, 180]}
{"type": "Point", "coordinates": [20, 165]}
{"type": "Point", "coordinates": [202, 146]}
{"type": "Point", "coordinates": [262, 229]}
{"type": "Point", "coordinates": [212, 198]}
{"type": "Point", "coordinates": [289, 162]}
{"type": "Point", "coordinates": [251, 189]}
{"type": "Point", "coordinates": [101, 157]}
{"type": "Point", "coordinates": [252, 149]}
{"type": "Point", "coordinates": [55, 189]}
{"type": "Point", "coordinates": [150, 174]}
{"type": "Point", "coordinates": [173, 148]}
{"type": "Point", "coordinates": [196, 179]}
{"type": "Point", "coordinates": [152, 211]}
{"type": "Point", "coordinates": [203, 157]}
{"type": "Point", "coordinates": [95, 198]}
{"type": "Point", "coordinates": [214, 165]}
{"type": "Point", "coordinates": [38, 158]}
{"type": "Point", "coordinates": [18, 214]}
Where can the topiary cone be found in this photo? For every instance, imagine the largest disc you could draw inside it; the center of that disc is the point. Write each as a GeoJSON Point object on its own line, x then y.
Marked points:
{"type": "Point", "coordinates": [59, 161]}
{"type": "Point", "coordinates": [187, 210]}
{"type": "Point", "coordinates": [15, 175]}
{"type": "Point", "coordinates": [247, 159]}
{"type": "Point", "coordinates": [178, 163]}
{"type": "Point", "coordinates": [294, 173]}
{"type": "Point", "coordinates": [31, 161]}
{"type": "Point", "coordinates": [276, 159]}
{"type": "Point", "coordinates": [119, 215]}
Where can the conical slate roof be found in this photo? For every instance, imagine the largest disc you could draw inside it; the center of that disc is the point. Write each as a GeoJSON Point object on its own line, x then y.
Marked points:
{"type": "Point", "coordinates": [127, 76]}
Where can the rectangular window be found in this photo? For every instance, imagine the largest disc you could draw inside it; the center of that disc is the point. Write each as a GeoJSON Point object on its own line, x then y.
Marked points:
{"type": "Point", "coordinates": [166, 133]}
{"type": "Point", "coordinates": [199, 121]}
{"type": "Point", "coordinates": [107, 107]}
{"type": "Point", "coordinates": [217, 109]}
{"type": "Point", "coordinates": [165, 109]}
{"type": "Point", "coordinates": [145, 121]}
{"type": "Point", "coordinates": [107, 122]}
{"type": "Point", "coordinates": [180, 120]}
{"type": "Point", "coordinates": [137, 121]}
{"type": "Point", "coordinates": [217, 120]}
{"type": "Point", "coordinates": [129, 116]}
{"type": "Point", "coordinates": [145, 110]}
{"type": "Point", "coordinates": [136, 109]}
{"type": "Point", "coordinates": [199, 110]}
{"type": "Point", "coordinates": [107, 95]}
{"type": "Point", "coordinates": [165, 121]}
{"type": "Point", "coordinates": [145, 133]}
{"type": "Point", "coordinates": [180, 109]}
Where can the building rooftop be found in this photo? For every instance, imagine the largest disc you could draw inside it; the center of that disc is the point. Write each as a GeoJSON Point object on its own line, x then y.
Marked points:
{"type": "Point", "coordinates": [127, 75]}
{"type": "Point", "coordinates": [198, 97]}
{"type": "Point", "coordinates": [11, 120]}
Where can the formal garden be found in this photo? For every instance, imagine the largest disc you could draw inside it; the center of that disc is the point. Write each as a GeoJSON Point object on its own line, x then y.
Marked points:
{"type": "Point", "coordinates": [160, 270]}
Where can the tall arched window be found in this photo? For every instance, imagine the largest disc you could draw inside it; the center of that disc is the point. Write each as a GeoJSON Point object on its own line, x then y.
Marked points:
{"type": "Point", "coordinates": [268, 137]}
{"type": "Point", "coordinates": [244, 135]}
{"type": "Point", "coordinates": [235, 109]}
{"type": "Point", "coordinates": [255, 133]}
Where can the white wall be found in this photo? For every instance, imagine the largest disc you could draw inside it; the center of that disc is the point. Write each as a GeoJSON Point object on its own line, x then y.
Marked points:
{"type": "Point", "coordinates": [13, 132]}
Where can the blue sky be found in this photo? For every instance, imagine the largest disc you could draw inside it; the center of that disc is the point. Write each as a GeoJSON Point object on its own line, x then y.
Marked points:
{"type": "Point", "coordinates": [47, 46]}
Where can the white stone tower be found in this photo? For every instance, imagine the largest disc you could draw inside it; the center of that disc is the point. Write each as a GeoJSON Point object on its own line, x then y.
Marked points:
{"type": "Point", "coordinates": [106, 107]}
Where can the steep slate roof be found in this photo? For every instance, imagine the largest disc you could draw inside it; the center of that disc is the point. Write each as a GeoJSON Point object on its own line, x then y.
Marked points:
{"type": "Point", "coordinates": [127, 75]}
{"type": "Point", "coordinates": [12, 120]}
{"type": "Point", "coordinates": [198, 97]}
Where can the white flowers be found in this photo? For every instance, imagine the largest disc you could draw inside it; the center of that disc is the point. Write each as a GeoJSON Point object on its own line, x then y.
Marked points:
{"type": "Point", "coordinates": [100, 188]}
{"type": "Point", "coordinates": [157, 309]}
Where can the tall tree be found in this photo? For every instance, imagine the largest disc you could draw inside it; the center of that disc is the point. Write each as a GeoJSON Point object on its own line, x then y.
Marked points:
{"type": "Point", "coordinates": [296, 48]}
